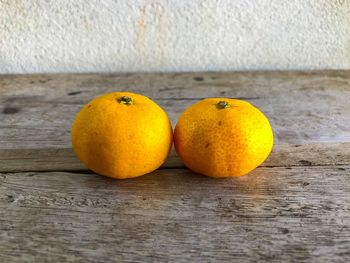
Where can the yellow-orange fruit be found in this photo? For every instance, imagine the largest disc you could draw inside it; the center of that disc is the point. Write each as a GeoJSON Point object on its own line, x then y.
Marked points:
{"type": "Point", "coordinates": [122, 135]}
{"type": "Point", "coordinates": [221, 137]}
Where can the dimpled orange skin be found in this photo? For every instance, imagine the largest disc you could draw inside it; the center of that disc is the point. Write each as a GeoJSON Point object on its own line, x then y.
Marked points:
{"type": "Point", "coordinates": [121, 140]}
{"type": "Point", "coordinates": [223, 141]}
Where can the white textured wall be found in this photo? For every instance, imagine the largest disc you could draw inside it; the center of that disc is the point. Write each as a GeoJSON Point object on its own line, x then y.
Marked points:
{"type": "Point", "coordinates": [173, 35]}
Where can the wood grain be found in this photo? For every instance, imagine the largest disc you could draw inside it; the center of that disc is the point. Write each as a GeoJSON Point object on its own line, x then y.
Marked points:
{"type": "Point", "coordinates": [36, 111]}
{"type": "Point", "coordinates": [299, 214]}
{"type": "Point", "coordinates": [295, 208]}
{"type": "Point", "coordinates": [282, 155]}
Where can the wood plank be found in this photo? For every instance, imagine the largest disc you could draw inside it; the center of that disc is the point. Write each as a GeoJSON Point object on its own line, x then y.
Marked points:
{"type": "Point", "coordinates": [36, 111]}
{"type": "Point", "coordinates": [300, 214]}
{"type": "Point", "coordinates": [282, 155]}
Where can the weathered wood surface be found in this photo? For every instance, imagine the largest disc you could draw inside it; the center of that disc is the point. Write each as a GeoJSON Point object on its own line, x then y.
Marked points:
{"type": "Point", "coordinates": [294, 208]}
{"type": "Point", "coordinates": [301, 214]}
{"type": "Point", "coordinates": [282, 155]}
{"type": "Point", "coordinates": [36, 111]}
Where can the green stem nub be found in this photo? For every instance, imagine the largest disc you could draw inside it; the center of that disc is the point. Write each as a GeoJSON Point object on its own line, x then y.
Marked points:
{"type": "Point", "coordinates": [126, 100]}
{"type": "Point", "coordinates": [223, 105]}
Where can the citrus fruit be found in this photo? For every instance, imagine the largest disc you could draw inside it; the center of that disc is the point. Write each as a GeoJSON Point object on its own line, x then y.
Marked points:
{"type": "Point", "coordinates": [122, 135]}
{"type": "Point", "coordinates": [222, 137]}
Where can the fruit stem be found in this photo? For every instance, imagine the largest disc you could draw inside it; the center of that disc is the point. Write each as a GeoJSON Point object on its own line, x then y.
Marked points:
{"type": "Point", "coordinates": [126, 100]}
{"type": "Point", "coordinates": [223, 105]}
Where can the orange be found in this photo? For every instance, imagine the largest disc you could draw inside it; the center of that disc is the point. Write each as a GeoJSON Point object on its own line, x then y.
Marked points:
{"type": "Point", "coordinates": [221, 137]}
{"type": "Point", "coordinates": [122, 135]}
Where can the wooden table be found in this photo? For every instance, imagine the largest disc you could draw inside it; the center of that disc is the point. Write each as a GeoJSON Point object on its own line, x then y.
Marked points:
{"type": "Point", "coordinates": [295, 207]}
